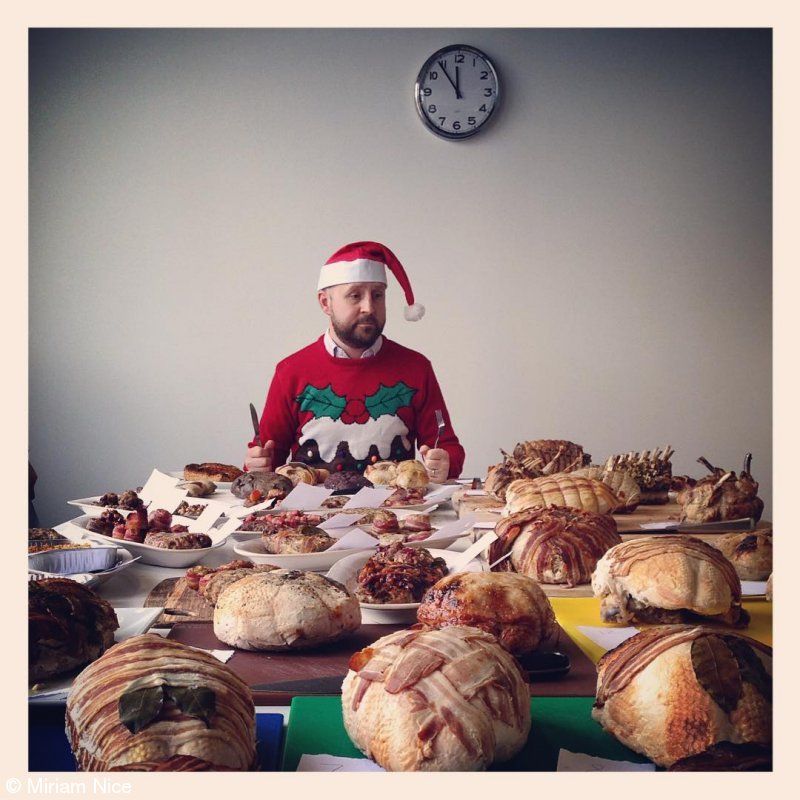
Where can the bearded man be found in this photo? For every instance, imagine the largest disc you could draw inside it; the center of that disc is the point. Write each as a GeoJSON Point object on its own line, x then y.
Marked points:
{"type": "Point", "coordinates": [354, 397]}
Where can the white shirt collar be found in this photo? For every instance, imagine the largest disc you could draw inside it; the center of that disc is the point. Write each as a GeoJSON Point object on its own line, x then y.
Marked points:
{"type": "Point", "coordinates": [337, 352]}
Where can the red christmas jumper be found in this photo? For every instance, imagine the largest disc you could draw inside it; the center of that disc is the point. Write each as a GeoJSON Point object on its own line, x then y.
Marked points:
{"type": "Point", "coordinates": [343, 414]}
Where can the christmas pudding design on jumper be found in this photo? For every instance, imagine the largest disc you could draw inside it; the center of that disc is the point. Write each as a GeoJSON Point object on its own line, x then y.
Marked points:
{"type": "Point", "coordinates": [351, 432]}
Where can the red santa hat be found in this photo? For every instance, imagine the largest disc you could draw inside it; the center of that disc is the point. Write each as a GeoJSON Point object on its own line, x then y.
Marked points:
{"type": "Point", "coordinates": [366, 262]}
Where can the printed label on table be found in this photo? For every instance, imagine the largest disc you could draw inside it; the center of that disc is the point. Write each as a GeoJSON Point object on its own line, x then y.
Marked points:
{"type": "Point", "coordinates": [326, 763]}
{"type": "Point", "coordinates": [305, 498]}
{"type": "Point", "coordinates": [338, 521]}
{"type": "Point", "coordinates": [157, 484]}
{"type": "Point", "coordinates": [370, 497]}
{"type": "Point", "coordinates": [750, 588]}
{"type": "Point", "coordinates": [355, 539]}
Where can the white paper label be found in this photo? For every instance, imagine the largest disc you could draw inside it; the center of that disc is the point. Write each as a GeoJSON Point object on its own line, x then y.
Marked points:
{"type": "Point", "coordinates": [326, 763]}
{"type": "Point", "coordinates": [581, 762]}
{"type": "Point", "coordinates": [221, 655]}
{"type": "Point", "coordinates": [243, 511]}
{"type": "Point", "coordinates": [168, 499]}
{"type": "Point", "coordinates": [607, 638]}
{"type": "Point", "coordinates": [441, 494]}
{"type": "Point", "coordinates": [370, 497]}
{"type": "Point", "coordinates": [355, 539]}
{"type": "Point", "coordinates": [455, 528]}
{"type": "Point", "coordinates": [305, 498]}
{"type": "Point", "coordinates": [227, 528]}
{"type": "Point", "coordinates": [338, 521]}
{"type": "Point", "coordinates": [473, 551]}
{"type": "Point", "coordinates": [751, 588]}
{"type": "Point", "coordinates": [157, 484]}
{"type": "Point", "coordinates": [211, 513]}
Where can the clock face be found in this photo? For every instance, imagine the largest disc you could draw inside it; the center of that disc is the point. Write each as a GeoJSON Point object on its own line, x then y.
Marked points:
{"type": "Point", "coordinates": [457, 91]}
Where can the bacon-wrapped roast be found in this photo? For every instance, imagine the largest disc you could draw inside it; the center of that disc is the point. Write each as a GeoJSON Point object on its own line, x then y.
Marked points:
{"type": "Point", "coordinates": [721, 496]}
{"type": "Point", "coordinates": [172, 764]}
{"type": "Point", "coordinates": [149, 699]}
{"type": "Point", "coordinates": [676, 691]}
{"type": "Point", "coordinates": [68, 626]}
{"type": "Point", "coordinates": [533, 459]}
{"type": "Point", "coordinates": [553, 545]}
{"type": "Point", "coordinates": [563, 489]}
{"type": "Point", "coordinates": [511, 607]}
{"type": "Point", "coordinates": [436, 700]}
{"type": "Point", "coordinates": [666, 580]}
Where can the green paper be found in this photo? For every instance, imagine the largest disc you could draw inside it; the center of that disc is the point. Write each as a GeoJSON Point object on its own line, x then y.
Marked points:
{"type": "Point", "coordinates": [315, 726]}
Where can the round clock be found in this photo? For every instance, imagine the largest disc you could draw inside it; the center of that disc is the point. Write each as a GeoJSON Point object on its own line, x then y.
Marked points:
{"type": "Point", "coordinates": [456, 91]}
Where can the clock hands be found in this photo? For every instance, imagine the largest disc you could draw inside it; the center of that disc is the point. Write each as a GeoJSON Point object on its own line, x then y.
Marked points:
{"type": "Point", "coordinates": [454, 85]}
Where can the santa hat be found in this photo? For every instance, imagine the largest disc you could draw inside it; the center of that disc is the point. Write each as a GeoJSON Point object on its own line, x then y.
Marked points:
{"type": "Point", "coordinates": [366, 262]}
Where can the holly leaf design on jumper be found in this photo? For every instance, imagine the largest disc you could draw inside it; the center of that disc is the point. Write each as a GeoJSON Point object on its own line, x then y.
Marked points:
{"type": "Point", "coordinates": [322, 402]}
{"type": "Point", "coordinates": [388, 399]}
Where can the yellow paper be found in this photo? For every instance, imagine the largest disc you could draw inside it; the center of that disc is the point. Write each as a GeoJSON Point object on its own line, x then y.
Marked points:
{"type": "Point", "coordinates": [574, 611]}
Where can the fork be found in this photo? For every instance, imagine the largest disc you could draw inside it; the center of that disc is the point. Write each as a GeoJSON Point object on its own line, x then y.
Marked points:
{"type": "Point", "coordinates": [439, 427]}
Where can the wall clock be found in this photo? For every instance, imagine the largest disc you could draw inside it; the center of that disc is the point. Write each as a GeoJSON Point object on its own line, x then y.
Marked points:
{"type": "Point", "coordinates": [456, 91]}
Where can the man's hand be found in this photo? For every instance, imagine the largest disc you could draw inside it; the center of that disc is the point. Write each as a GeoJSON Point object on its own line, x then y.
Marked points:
{"type": "Point", "coordinates": [437, 462]}
{"type": "Point", "coordinates": [259, 459]}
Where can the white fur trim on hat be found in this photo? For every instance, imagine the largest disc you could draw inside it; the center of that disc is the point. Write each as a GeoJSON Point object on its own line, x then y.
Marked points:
{"type": "Point", "coordinates": [362, 270]}
{"type": "Point", "coordinates": [414, 312]}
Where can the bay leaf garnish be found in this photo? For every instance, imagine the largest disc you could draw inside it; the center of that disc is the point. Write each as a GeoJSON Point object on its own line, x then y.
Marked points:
{"type": "Point", "coordinates": [751, 667]}
{"type": "Point", "coordinates": [194, 701]}
{"type": "Point", "coordinates": [717, 671]}
{"type": "Point", "coordinates": [138, 707]}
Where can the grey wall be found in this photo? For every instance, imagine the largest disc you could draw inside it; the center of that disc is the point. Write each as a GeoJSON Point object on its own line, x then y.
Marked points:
{"type": "Point", "coordinates": [596, 266]}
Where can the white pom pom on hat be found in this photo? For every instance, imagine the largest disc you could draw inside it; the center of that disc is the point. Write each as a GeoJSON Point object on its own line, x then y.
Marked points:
{"type": "Point", "coordinates": [414, 312]}
{"type": "Point", "coordinates": [360, 262]}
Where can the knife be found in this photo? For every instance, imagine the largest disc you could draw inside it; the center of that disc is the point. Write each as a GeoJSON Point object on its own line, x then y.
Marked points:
{"type": "Point", "coordinates": [330, 684]}
{"type": "Point", "coordinates": [254, 417]}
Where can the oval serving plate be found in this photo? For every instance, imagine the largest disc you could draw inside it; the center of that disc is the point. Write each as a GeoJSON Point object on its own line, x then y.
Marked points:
{"type": "Point", "coordinates": [346, 572]}
{"type": "Point", "coordinates": [308, 562]}
{"type": "Point", "coordinates": [155, 556]}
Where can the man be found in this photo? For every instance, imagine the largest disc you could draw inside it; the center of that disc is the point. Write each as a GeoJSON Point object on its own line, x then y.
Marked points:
{"type": "Point", "coordinates": [354, 397]}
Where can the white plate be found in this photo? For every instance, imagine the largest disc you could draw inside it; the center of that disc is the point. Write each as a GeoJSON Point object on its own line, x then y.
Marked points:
{"type": "Point", "coordinates": [156, 556]}
{"type": "Point", "coordinates": [346, 572]}
{"type": "Point", "coordinates": [308, 562]}
{"type": "Point", "coordinates": [132, 622]}
{"type": "Point", "coordinates": [90, 507]}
